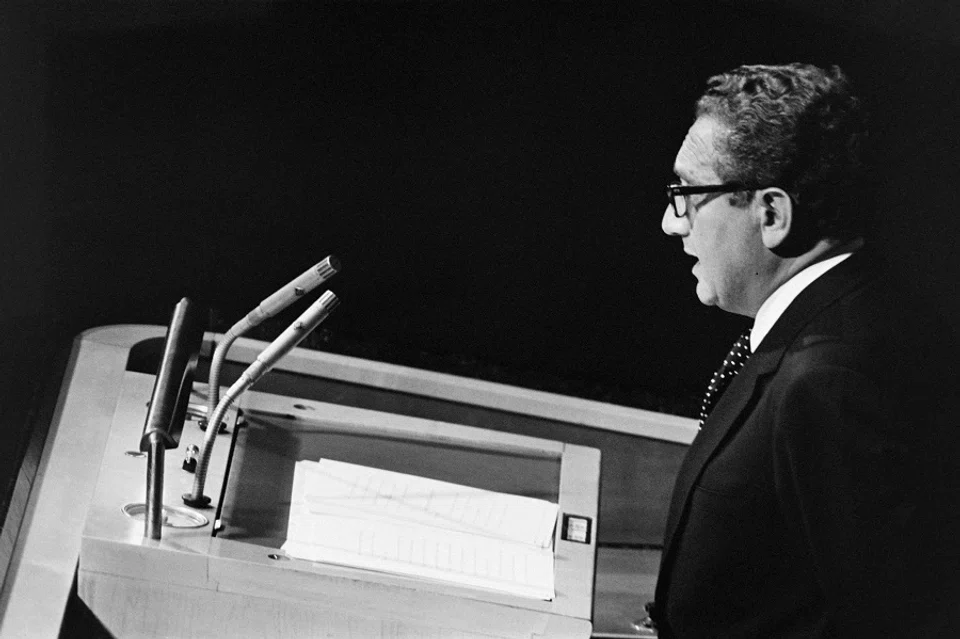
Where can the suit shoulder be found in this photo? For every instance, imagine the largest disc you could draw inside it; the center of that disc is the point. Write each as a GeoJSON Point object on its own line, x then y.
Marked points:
{"type": "Point", "coordinates": [873, 325]}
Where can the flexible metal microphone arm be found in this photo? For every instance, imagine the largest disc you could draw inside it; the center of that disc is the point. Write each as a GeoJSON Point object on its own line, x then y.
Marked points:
{"type": "Point", "coordinates": [266, 360]}
{"type": "Point", "coordinates": [281, 299]}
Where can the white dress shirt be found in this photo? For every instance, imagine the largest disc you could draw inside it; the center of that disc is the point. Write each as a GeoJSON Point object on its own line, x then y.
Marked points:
{"type": "Point", "coordinates": [774, 306]}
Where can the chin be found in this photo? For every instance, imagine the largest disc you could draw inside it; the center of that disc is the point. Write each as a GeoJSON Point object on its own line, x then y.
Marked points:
{"type": "Point", "coordinates": [706, 297]}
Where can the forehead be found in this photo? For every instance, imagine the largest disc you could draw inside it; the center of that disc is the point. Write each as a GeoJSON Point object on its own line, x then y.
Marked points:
{"type": "Point", "coordinates": [696, 159]}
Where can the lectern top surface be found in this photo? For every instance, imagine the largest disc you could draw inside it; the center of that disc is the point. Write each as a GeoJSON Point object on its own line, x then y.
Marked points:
{"type": "Point", "coordinates": [256, 498]}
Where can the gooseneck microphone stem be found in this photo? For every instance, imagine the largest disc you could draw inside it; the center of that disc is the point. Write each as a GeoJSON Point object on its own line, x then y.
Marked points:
{"type": "Point", "coordinates": [266, 360]}
{"type": "Point", "coordinates": [216, 364]}
{"type": "Point", "coordinates": [196, 498]}
{"type": "Point", "coordinates": [279, 300]}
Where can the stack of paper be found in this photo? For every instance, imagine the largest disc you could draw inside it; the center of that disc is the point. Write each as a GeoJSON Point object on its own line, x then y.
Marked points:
{"type": "Point", "coordinates": [380, 520]}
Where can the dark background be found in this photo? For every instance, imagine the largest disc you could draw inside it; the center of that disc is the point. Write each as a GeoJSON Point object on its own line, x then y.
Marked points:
{"type": "Point", "coordinates": [489, 173]}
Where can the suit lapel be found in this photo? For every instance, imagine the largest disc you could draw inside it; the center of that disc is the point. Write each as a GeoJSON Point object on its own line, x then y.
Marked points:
{"type": "Point", "coordinates": [726, 413]}
{"type": "Point", "coordinates": [738, 399]}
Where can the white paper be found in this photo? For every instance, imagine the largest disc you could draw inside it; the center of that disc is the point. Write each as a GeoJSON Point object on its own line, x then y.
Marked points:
{"type": "Point", "coordinates": [380, 520]}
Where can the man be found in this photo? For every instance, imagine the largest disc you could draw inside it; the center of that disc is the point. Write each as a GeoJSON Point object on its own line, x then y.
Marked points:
{"type": "Point", "coordinates": [819, 497]}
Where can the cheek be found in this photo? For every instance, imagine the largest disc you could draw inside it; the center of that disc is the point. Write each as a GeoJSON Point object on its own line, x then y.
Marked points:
{"type": "Point", "coordinates": [717, 245]}
{"type": "Point", "coordinates": [714, 268]}
{"type": "Point", "coordinates": [704, 247]}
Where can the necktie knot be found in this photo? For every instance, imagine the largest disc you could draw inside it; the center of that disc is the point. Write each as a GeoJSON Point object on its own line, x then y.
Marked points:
{"type": "Point", "coordinates": [732, 364]}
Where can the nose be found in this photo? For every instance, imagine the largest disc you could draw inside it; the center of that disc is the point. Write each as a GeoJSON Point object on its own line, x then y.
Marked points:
{"type": "Point", "coordinates": [673, 225]}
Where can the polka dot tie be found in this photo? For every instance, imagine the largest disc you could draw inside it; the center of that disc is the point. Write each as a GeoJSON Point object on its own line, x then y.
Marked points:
{"type": "Point", "coordinates": [734, 361]}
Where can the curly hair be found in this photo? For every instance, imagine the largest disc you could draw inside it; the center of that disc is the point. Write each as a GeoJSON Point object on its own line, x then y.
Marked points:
{"type": "Point", "coordinates": [798, 127]}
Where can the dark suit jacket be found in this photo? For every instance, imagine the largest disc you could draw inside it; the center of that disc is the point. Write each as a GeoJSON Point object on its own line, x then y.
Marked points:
{"type": "Point", "coordinates": [819, 499]}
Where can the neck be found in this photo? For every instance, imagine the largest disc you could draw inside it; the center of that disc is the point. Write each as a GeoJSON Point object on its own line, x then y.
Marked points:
{"type": "Point", "coordinates": [785, 268]}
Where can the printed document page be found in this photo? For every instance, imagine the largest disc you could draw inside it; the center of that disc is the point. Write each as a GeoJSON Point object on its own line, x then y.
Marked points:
{"type": "Point", "coordinates": [382, 520]}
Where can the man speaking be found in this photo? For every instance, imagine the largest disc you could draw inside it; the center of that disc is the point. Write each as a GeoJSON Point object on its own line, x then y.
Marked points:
{"type": "Point", "coordinates": [819, 498]}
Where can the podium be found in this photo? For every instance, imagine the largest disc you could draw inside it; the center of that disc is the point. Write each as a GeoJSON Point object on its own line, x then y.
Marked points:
{"type": "Point", "coordinates": [228, 576]}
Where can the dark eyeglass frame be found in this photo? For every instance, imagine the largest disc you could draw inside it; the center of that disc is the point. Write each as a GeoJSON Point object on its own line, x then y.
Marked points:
{"type": "Point", "coordinates": [675, 190]}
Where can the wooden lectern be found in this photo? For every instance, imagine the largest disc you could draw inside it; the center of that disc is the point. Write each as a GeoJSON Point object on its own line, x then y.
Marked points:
{"type": "Point", "coordinates": [220, 571]}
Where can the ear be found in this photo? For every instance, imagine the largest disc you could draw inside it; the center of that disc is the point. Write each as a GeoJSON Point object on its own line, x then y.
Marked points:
{"type": "Point", "coordinates": [776, 210]}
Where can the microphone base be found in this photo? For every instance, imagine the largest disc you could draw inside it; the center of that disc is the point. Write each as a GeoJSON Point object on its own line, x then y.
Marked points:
{"type": "Point", "coordinates": [196, 502]}
{"type": "Point", "coordinates": [202, 423]}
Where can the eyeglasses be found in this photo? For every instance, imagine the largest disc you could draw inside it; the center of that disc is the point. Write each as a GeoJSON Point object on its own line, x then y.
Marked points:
{"type": "Point", "coordinates": [677, 194]}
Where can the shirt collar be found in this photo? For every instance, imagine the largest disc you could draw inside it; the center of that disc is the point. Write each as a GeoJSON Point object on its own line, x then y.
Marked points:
{"type": "Point", "coordinates": [774, 306]}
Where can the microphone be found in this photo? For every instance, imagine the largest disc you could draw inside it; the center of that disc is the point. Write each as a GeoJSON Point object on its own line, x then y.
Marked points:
{"type": "Point", "coordinates": [267, 359]}
{"type": "Point", "coordinates": [291, 292]}
{"type": "Point", "coordinates": [281, 299]}
{"type": "Point", "coordinates": [288, 339]}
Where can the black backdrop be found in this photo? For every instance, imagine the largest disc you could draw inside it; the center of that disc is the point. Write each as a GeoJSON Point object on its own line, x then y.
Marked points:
{"type": "Point", "coordinates": [490, 173]}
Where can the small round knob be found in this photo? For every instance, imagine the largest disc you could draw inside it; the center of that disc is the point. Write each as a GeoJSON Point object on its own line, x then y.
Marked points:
{"type": "Point", "coordinates": [190, 459]}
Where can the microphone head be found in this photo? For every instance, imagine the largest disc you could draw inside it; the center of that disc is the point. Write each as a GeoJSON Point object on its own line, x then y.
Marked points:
{"type": "Point", "coordinates": [294, 290]}
{"type": "Point", "coordinates": [328, 267]}
{"type": "Point", "coordinates": [328, 301]}
{"type": "Point", "coordinates": [290, 338]}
